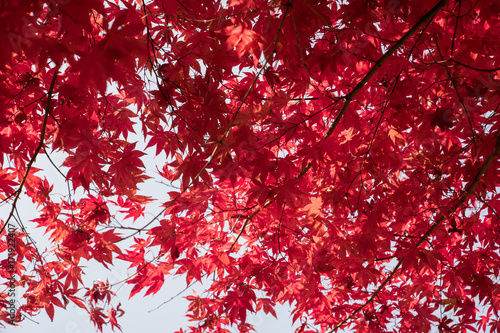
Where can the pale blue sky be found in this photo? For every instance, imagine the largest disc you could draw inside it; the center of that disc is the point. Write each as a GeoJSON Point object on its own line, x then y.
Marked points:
{"type": "Point", "coordinates": [139, 311]}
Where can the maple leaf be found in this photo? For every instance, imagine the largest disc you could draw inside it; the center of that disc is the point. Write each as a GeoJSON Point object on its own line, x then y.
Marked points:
{"type": "Point", "coordinates": [443, 118]}
{"type": "Point", "coordinates": [301, 141]}
{"type": "Point", "coordinates": [314, 208]}
{"type": "Point", "coordinates": [112, 317]}
{"type": "Point", "coordinates": [7, 183]}
{"type": "Point", "coordinates": [126, 172]}
{"type": "Point", "coordinates": [98, 318]}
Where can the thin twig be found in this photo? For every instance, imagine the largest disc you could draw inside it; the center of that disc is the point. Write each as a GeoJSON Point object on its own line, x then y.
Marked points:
{"type": "Point", "coordinates": [453, 84]}
{"type": "Point", "coordinates": [228, 129]}
{"type": "Point", "coordinates": [463, 198]}
{"type": "Point", "coordinates": [175, 296]}
{"type": "Point", "coordinates": [350, 96]}
{"type": "Point", "coordinates": [40, 145]}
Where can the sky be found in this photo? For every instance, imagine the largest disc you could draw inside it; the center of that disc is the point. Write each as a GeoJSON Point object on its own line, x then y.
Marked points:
{"type": "Point", "coordinates": [141, 313]}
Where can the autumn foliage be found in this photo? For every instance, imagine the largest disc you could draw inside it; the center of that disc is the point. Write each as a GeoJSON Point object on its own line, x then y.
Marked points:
{"type": "Point", "coordinates": [340, 157]}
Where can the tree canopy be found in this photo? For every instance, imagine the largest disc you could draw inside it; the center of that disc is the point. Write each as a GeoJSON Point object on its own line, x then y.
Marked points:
{"type": "Point", "coordinates": [340, 157]}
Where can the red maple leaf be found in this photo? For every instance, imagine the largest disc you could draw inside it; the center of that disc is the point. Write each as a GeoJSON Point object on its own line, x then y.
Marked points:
{"type": "Point", "coordinates": [338, 156]}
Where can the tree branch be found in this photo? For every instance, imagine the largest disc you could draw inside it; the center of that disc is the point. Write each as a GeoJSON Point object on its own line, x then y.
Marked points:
{"type": "Point", "coordinates": [231, 123]}
{"type": "Point", "coordinates": [350, 96]}
{"type": "Point", "coordinates": [463, 198]}
{"type": "Point", "coordinates": [35, 154]}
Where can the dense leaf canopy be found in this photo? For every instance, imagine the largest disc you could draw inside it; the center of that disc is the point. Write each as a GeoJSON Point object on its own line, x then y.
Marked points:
{"type": "Point", "coordinates": [337, 156]}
